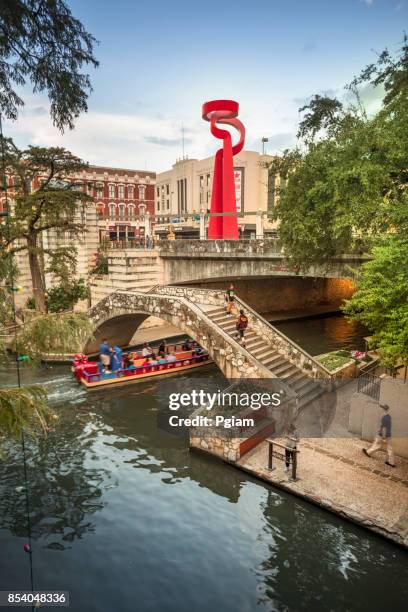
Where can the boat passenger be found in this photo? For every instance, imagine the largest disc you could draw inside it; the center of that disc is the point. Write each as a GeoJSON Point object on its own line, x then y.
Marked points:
{"type": "Point", "coordinates": [105, 355]}
{"type": "Point", "coordinates": [116, 360]}
{"type": "Point", "coordinates": [171, 357]}
{"type": "Point", "coordinates": [147, 350]}
{"type": "Point", "coordinates": [163, 349]}
{"type": "Point", "coordinates": [161, 360]}
{"type": "Point", "coordinates": [187, 345]}
{"type": "Point", "coordinates": [153, 360]}
{"type": "Point", "coordinates": [126, 361]}
{"type": "Point", "coordinates": [147, 362]}
{"type": "Point", "coordinates": [198, 350]}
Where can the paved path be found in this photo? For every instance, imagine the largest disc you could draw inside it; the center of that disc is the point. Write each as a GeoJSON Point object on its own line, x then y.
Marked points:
{"type": "Point", "coordinates": [335, 474]}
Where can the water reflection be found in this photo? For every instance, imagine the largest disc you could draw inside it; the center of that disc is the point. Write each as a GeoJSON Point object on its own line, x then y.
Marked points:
{"type": "Point", "coordinates": [325, 333]}
{"type": "Point", "coordinates": [126, 518]}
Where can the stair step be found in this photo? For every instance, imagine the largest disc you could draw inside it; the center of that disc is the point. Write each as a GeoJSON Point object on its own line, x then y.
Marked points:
{"type": "Point", "coordinates": [297, 383]}
{"type": "Point", "coordinates": [276, 360]}
{"type": "Point", "coordinates": [262, 352]}
{"type": "Point", "coordinates": [286, 371]}
{"type": "Point", "coordinates": [254, 343]}
{"type": "Point", "coordinates": [311, 395]}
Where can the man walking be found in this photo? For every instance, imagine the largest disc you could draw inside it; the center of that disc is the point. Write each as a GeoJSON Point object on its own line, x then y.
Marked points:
{"type": "Point", "coordinates": [383, 438]}
{"type": "Point", "coordinates": [229, 300]}
{"type": "Point", "coordinates": [241, 325]}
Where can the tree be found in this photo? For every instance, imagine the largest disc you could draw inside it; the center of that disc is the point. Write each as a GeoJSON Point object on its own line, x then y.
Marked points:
{"type": "Point", "coordinates": [381, 300]}
{"type": "Point", "coordinates": [23, 408]}
{"type": "Point", "coordinates": [42, 42]}
{"type": "Point", "coordinates": [66, 333]}
{"type": "Point", "coordinates": [46, 199]}
{"type": "Point", "coordinates": [346, 182]}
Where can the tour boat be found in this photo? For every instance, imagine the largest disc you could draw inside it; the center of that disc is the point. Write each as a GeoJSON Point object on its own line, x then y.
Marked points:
{"type": "Point", "coordinates": [91, 375]}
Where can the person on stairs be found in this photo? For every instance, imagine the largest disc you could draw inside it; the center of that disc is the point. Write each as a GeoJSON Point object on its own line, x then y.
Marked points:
{"type": "Point", "coordinates": [241, 325]}
{"type": "Point", "coordinates": [229, 300]}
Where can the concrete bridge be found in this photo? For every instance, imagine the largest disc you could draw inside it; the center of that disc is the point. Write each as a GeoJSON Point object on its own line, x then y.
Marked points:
{"type": "Point", "coordinates": [200, 313]}
{"type": "Point", "coordinates": [187, 261]}
{"type": "Point", "coordinates": [258, 268]}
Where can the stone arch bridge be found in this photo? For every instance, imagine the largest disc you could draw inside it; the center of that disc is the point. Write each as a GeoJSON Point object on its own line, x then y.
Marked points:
{"type": "Point", "coordinates": [200, 313]}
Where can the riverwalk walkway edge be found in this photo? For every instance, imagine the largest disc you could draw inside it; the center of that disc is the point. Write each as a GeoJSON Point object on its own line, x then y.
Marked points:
{"type": "Point", "coordinates": [336, 475]}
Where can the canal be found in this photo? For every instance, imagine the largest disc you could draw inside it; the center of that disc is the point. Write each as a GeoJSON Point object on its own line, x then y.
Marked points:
{"type": "Point", "coordinates": [324, 333]}
{"type": "Point", "coordinates": [127, 519]}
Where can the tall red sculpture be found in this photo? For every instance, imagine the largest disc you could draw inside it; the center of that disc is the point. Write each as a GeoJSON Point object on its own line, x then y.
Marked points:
{"type": "Point", "coordinates": [223, 191]}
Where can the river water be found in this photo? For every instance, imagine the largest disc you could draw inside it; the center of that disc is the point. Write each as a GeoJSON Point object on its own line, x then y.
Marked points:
{"type": "Point", "coordinates": [127, 519]}
{"type": "Point", "coordinates": [325, 333]}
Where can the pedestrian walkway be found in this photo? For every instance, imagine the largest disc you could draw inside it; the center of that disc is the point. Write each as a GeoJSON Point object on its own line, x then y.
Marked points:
{"type": "Point", "coordinates": [335, 474]}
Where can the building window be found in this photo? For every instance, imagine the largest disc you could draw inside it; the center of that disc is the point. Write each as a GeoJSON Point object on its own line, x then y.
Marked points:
{"type": "Point", "coordinates": [142, 189]}
{"type": "Point", "coordinates": [158, 191]}
{"type": "Point", "coordinates": [131, 210]}
{"type": "Point", "coordinates": [99, 190]}
{"type": "Point", "coordinates": [182, 196]}
{"type": "Point", "coordinates": [130, 192]}
{"type": "Point", "coordinates": [201, 182]}
{"type": "Point", "coordinates": [111, 191]}
{"type": "Point", "coordinates": [121, 191]}
{"type": "Point", "coordinates": [112, 211]}
{"type": "Point", "coordinates": [208, 180]}
{"type": "Point", "coordinates": [122, 209]}
{"type": "Point", "coordinates": [168, 204]}
{"type": "Point", "coordinates": [90, 189]}
{"type": "Point", "coordinates": [158, 205]}
{"type": "Point", "coordinates": [167, 189]}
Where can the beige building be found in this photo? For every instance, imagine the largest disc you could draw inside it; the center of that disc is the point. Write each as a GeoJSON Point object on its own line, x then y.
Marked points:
{"type": "Point", "coordinates": [184, 192]}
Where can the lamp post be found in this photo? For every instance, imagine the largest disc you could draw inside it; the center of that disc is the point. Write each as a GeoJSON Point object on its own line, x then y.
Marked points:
{"type": "Point", "coordinates": [264, 140]}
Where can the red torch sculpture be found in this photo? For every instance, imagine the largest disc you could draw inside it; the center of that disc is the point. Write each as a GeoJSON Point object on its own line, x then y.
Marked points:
{"type": "Point", "coordinates": [223, 191]}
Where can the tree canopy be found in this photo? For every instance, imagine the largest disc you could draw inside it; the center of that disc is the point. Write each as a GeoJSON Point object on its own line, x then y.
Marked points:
{"type": "Point", "coordinates": [42, 42]}
{"type": "Point", "coordinates": [344, 188]}
{"type": "Point", "coordinates": [46, 197]}
{"type": "Point", "coordinates": [347, 178]}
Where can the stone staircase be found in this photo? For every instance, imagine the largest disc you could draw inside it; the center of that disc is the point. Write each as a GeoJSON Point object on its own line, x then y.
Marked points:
{"type": "Point", "coordinates": [307, 389]}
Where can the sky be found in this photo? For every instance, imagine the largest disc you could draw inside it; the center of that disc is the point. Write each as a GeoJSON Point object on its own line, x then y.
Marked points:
{"type": "Point", "coordinates": [160, 60]}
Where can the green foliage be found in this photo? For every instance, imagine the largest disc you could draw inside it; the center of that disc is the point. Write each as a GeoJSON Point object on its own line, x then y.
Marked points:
{"type": "Point", "coordinates": [46, 199]}
{"type": "Point", "coordinates": [65, 295]}
{"type": "Point", "coordinates": [332, 361]}
{"type": "Point", "coordinates": [63, 333]}
{"type": "Point", "coordinates": [43, 43]}
{"type": "Point", "coordinates": [348, 187]}
{"type": "Point", "coordinates": [23, 407]}
{"type": "Point", "coordinates": [381, 300]}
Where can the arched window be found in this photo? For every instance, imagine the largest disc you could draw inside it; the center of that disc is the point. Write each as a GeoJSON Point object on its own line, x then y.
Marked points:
{"type": "Point", "coordinates": [122, 209]}
{"type": "Point", "coordinates": [130, 192]}
{"type": "Point", "coordinates": [142, 190]}
{"type": "Point", "coordinates": [111, 190]}
{"type": "Point", "coordinates": [131, 210]}
{"type": "Point", "coordinates": [112, 211]}
{"type": "Point", "coordinates": [121, 191]}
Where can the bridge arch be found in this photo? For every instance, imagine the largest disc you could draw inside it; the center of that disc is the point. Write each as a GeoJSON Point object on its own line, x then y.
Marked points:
{"type": "Point", "coordinates": [118, 316]}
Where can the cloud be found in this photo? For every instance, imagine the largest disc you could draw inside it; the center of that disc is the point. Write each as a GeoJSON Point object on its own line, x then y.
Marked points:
{"type": "Point", "coordinates": [129, 141]}
{"type": "Point", "coordinates": [367, 2]}
{"type": "Point", "coordinates": [400, 6]}
{"type": "Point", "coordinates": [167, 142]}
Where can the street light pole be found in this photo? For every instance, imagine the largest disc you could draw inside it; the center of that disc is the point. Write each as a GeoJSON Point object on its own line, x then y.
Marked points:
{"type": "Point", "coordinates": [264, 140]}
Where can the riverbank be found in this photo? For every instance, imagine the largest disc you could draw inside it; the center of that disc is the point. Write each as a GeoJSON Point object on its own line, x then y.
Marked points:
{"type": "Point", "coordinates": [334, 474]}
